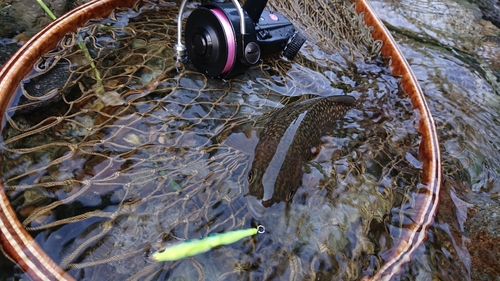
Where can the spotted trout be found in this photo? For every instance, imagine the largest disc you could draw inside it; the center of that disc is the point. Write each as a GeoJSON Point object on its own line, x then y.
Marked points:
{"type": "Point", "coordinates": [289, 139]}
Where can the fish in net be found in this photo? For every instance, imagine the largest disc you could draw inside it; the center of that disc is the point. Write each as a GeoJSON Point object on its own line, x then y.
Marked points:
{"type": "Point", "coordinates": [127, 151]}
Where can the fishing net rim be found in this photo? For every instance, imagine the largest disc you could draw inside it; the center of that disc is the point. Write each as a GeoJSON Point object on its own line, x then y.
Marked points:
{"type": "Point", "coordinates": [19, 245]}
{"type": "Point", "coordinates": [429, 151]}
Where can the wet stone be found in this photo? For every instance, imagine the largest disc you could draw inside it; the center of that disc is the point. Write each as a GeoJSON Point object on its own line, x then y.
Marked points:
{"type": "Point", "coordinates": [29, 14]}
{"type": "Point", "coordinates": [8, 27]}
{"type": "Point", "coordinates": [7, 49]}
{"type": "Point", "coordinates": [484, 255]}
{"type": "Point", "coordinates": [490, 10]}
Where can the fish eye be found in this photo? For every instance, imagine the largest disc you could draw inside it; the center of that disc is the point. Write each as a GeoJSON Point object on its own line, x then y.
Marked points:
{"type": "Point", "coordinates": [250, 176]}
{"type": "Point", "coordinates": [290, 194]}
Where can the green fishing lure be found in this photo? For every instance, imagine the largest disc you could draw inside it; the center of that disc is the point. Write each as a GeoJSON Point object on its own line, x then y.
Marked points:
{"type": "Point", "coordinates": [194, 247]}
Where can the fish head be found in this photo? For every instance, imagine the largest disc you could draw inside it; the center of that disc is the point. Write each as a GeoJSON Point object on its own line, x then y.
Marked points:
{"type": "Point", "coordinates": [254, 178]}
{"type": "Point", "coordinates": [259, 203]}
{"type": "Point", "coordinates": [272, 184]}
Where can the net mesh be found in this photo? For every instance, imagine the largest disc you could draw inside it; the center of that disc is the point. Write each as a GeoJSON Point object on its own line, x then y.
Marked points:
{"type": "Point", "coordinates": [112, 150]}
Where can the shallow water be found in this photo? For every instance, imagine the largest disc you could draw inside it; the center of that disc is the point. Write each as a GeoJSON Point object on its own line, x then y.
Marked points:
{"type": "Point", "coordinates": [147, 162]}
{"type": "Point", "coordinates": [454, 53]}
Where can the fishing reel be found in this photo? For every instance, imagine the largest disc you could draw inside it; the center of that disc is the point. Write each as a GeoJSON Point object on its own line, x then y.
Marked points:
{"type": "Point", "coordinates": [225, 39]}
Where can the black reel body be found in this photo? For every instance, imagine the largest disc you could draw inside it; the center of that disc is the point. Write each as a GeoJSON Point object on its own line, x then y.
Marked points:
{"type": "Point", "coordinates": [212, 33]}
{"type": "Point", "coordinates": [274, 34]}
{"type": "Point", "coordinates": [219, 46]}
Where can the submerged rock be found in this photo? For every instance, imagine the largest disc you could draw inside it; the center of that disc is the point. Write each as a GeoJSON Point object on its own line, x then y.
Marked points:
{"type": "Point", "coordinates": [490, 10]}
{"type": "Point", "coordinates": [459, 26]}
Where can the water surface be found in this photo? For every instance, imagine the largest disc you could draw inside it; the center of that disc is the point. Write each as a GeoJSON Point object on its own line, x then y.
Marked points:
{"type": "Point", "coordinates": [156, 152]}
{"type": "Point", "coordinates": [453, 48]}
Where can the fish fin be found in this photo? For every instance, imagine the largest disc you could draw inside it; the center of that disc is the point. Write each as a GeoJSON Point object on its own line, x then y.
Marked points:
{"type": "Point", "coordinates": [348, 100]}
{"type": "Point", "coordinates": [268, 203]}
{"type": "Point", "coordinates": [223, 132]}
{"type": "Point", "coordinates": [243, 141]}
{"type": "Point", "coordinates": [249, 131]}
{"type": "Point", "coordinates": [315, 150]}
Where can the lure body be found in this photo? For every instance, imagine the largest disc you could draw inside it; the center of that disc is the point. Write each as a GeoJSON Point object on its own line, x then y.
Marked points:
{"type": "Point", "coordinates": [198, 246]}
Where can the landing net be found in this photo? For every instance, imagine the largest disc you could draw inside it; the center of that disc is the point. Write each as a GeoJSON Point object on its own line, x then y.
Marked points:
{"type": "Point", "coordinates": [112, 150]}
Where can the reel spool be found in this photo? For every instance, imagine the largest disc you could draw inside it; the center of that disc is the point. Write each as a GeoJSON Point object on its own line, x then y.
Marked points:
{"type": "Point", "coordinates": [224, 39]}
